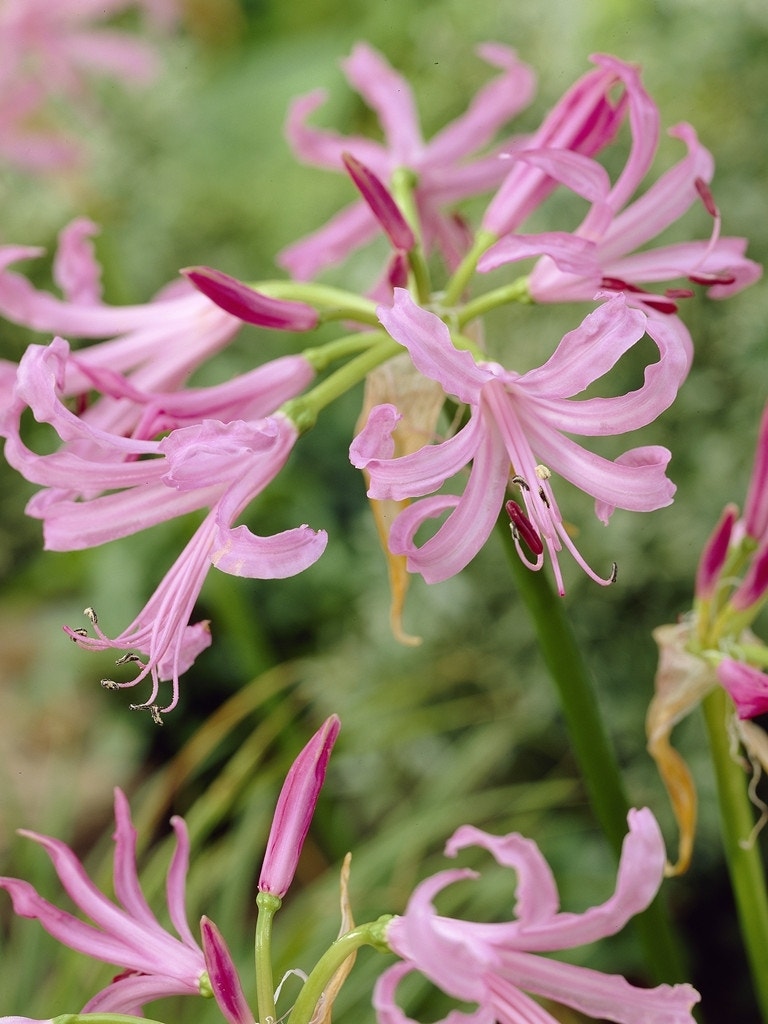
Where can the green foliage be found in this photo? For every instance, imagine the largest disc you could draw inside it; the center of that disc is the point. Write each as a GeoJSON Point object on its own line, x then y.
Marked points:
{"type": "Point", "coordinates": [463, 728]}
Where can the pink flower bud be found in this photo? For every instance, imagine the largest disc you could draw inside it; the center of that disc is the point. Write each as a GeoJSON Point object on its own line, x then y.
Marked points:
{"type": "Point", "coordinates": [755, 583]}
{"type": "Point", "coordinates": [247, 304]}
{"type": "Point", "coordinates": [714, 554]}
{"type": "Point", "coordinates": [295, 807]}
{"type": "Point", "coordinates": [381, 202]}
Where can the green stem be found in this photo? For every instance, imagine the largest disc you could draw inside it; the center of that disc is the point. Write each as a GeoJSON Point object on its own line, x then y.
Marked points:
{"type": "Point", "coordinates": [466, 268]}
{"type": "Point", "coordinates": [370, 934]}
{"type": "Point", "coordinates": [321, 356]}
{"type": "Point", "coordinates": [268, 905]}
{"type": "Point", "coordinates": [305, 409]}
{"type": "Point", "coordinates": [334, 303]}
{"type": "Point", "coordinates": [741, 850]}
{"type": "Point", "coordinates": [517, 291]}
{"type": "Point", "coordinates": [591, 745]}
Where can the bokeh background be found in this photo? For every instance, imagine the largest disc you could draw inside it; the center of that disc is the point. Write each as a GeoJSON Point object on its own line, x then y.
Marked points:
{"type": "Point", "coordinates": [464, 728]}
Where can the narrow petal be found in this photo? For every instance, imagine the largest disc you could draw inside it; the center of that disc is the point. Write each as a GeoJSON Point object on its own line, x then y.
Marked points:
{"type": "Point", "coordinates": [125, 877]}
{"type": "Point", "coordinates": [176, 883]}
{"type": "Point", "coordinates": [75, 269]}
{"type": "Point", "coordinates": [536, 892]}
{"type": "Point", "coordinates": [599, 996]}
{"type": "Point", "coordinates": [346, 231]}
{"type": "Point", "coordinates": [223, 976]}
{"type": "Point", "coordinates": [389, 95]}
{"type": "Point", "coordinates": [571, 254]}
{"type": "Point", "coordinates": [429, 342]}
{"type": "Point", "coordinates": [491, 107]}
{"type": "Point", "coordinates": [130, 993]}
{"type": "Point", "coordinates": [388, 1011]}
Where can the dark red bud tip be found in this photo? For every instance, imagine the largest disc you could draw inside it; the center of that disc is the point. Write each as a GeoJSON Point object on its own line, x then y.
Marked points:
{"type": "Point", "coordinates": [524, 527]}
{"type": "Point", "coordinates": [706, 197]}
{"type": "Point", "coordinates": [382, 204]}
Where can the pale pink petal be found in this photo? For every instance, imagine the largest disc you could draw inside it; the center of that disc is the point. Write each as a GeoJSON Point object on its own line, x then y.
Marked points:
{"type": "Point", "coordinates": [490, 108]}
{"type": "Point", "coordinates": [130, 993]}
{"type": "Point", "coordinates": [599, 996]}
{"type": "Point", "coordinates": [422, 472]}
{"type": "Point", "coordinates": [176, 882]}
{"type": "Point", "coordinates": [75, 269]}
{"type": "Point", "coordinates": [467, 527]}
{"type": "Point", "coordinates": [125, 877]}
{"type": "Point", "coordinates": [536, 896]}
{"type": "Point", "coordinates": [388, 1011]}
{"type": "Point", "coordinates": [571, 254]}
{"type": "Point", "coordinates": [389, 95]}
{"type": "Point", "coordinates": [375, 440]}
{"type": "Point", "coordinates": [428, 341]}
{"type": "Point", "coordinates": [343, 233]}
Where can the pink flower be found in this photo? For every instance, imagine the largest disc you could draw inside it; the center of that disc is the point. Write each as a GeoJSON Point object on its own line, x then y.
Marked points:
{"type": "Point", "coordinates": [157, 344]}
{"type": "Point", "coordinates": [582, 123]}
{"type": "Point", "coordinates": [100, 486]}
{"type": "Point", "coordinates": [520, 424]}
{"type": "Point", "coordinates": [495, 965]}
{"type": "Point", "coordinates": [602, 252]}
{"type": "Point", "coordinates": [445, 168]}
{"type": "Point", "coordinates": [295, 808]}
{"type": "Point", "coordinates": [155, 962]}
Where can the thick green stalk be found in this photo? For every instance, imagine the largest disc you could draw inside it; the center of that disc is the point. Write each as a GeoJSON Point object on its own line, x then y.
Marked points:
{"type": "Point", "coordinates": [371, 934]}
{"type": "Point", "coordinates": [304, 410]}
{"type": "Point", "coordinates": [592, 748]}
{"type": "Point", "coordinates": [741, 849]}
{"type": "Point", "coordinates": [268, 905]}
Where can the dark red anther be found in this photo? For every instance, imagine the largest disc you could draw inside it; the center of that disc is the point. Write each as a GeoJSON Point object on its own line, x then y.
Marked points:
{"type": "Point", "coordinates": [709, 279]}
{"type": "Point", "coordinates": [524, 527]}
{"type": "Point", "coordinates": [679, 293]}
{"type": "Point", "coordinates": [706, 197]}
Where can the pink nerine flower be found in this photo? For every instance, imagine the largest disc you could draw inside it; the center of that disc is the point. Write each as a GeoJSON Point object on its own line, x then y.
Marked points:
{"type": "Point", "coordinates": [295, 808]}
{"type": "Point", "coordinates": [602, 251]}
{"type": "Point", "coordinates": [520, 424]}
{"type": "Point", "coordinates": [445, 167]}
{"type": "Point", "coordinates": [155, 962]}
{"type": "Point", "coordinates": [495, 965]}
{"type": "Point", "coordinates": [100, 486]}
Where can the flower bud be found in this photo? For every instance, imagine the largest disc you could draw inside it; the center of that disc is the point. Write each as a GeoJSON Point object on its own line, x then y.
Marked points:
{"type": "Point", "coordinates": [295, 807]}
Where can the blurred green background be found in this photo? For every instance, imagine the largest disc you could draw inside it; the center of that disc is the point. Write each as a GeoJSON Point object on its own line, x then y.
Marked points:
{"type": "Point", "coordinates": [465, 728]}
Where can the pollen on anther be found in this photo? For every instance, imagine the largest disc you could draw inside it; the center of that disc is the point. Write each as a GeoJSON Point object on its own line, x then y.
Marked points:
{"type": "Point", "coordinates": [110, 684]}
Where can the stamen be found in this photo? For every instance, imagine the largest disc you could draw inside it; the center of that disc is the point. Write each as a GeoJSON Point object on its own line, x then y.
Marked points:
{"type": "Point", "coordinates": [521, 482]}
{"type": "Point", "coordinates": [151, 708]}
{"type": "Point", "coordinates": [91, 614]}
{"type": "Point", "coordinates": [126, 658]}
{"type": "Point", "coordinates": [80, 631]}
{"type": "Point", "coordinates": [110, 684]}
{"type": "Point", "coordinates": [522, 526]}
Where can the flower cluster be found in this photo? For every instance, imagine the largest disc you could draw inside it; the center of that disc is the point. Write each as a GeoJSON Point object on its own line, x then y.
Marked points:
{"type": "Point", "coordinates": [493, 965]}
{"type": "Point", "coordinates": [140, 446]}
{"type": "Point", "coordinates": [155, 962]}
{"type": "Point", "coordinates": [47, 54]}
